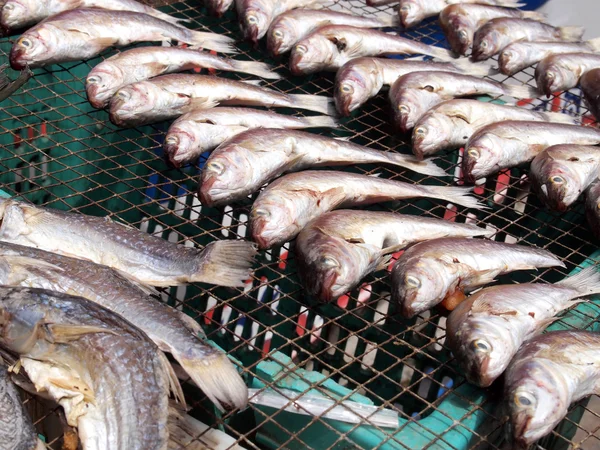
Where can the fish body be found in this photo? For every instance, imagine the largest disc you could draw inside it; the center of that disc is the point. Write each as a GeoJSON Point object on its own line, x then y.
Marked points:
{"type": "Point", "coordinates": [561, 72]}
{"type": "Point", "coordinates": [430, 271]}
{"type": "Point", "coordinates": [561, 173]}
{"type": "Point", "coordinates": [240, 166]}
{"type": "Point", "coordinates": [549, 372]}
{"type": "Point", "coordinates": [169, 96]}
{"type": "Point", "coordinates": [328, 48]}
{"type": "Point", "coordinates": [84, 33]}
{"type": "Point", "coordinates": [110, 379]}
{"type": "Point", "coordinates": [497, 34]}
{"type": "Point", "coordinates": [205, 129]}
{"type": "Point", "coordinates": [171, 330]}
{"type": "Point", "coordinates": [143, 63]}
{"type": "Point", "coordinates": [507, 144]}
{"type": "Point", "coordinates": [592, 208]}
{"type": "Point", "coordinates": [485, 331]}
{"type": "Point", "coordinates": [590, 86]}
{"type": "Point", "coordinates": [146, 258]}
{"type": "Point", "coordinates": [337, 250]}
{"type": "Point", "coordinates": [520, 55]}
{"type": "Point", "coordinates": [292, 201]}
{"type": "Point", "coordinates": [450, 124]}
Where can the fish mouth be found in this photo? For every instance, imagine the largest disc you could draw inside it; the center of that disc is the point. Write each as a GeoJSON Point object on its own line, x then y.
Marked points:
{"type": "Point", "coordinates": [173, 156]}
{"type": "Point", "coordinates": [326, 293]}
{"type": "Point", "coordinates": [468, 171]}
{"type": "Point", "coordinates": [478, 55]}
{"type": "Point", "coordinates": [16, 58]}
{"type": "Point", "coordinates": [204, 190]}
{"type": "Point", "coordinates": [519, 433]}
{"type": "Point", "coordinates": [95, 98]}
{"type": "Point", "coordinates": [295, 61]}
{"type": "Point", "coordinates": [344, 106]}
{"type": "Point", "coordinates": [257, 227]}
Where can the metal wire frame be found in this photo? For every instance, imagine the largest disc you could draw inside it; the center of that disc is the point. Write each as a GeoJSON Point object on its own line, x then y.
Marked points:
{"type": "Point", "coordinates": [285, 320]}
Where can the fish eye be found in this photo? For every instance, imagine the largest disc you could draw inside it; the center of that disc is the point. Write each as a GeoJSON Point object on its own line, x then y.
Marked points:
{"type": "Point", "coordinates": [124, 95]}
{"type": "Point", "coordinates": [328, 261]}
{"type": "Point", "coordinates": [261, 213]}
{"type": "Point", "coordinates": [347, 88]}
{"type": "Point", "coordinates": [278, 34]}
{"type": "Point", "coordinates": [172, 140]}
{"type": "Point", "coordinates": [252, 20]}
{"type": "Point", "coordinates": [473, 153]}
{"type": "Point", "coordinates": [557, 179]}
{"type": "Point", "coordinates": [8, 6]}
{"type": "Point", "coordinates": [25, 42]}
{"type": "Point", "coordinates": [462, 34]}
{"type": "Point", "coordinates": [479, 345]}
{"type": "Point", "coordinates": [216, 167]}
{"type": "Point", "coordinates": [524, 399]}
{"type": "Point", "coordinates": [405, 8]}
{"type": "Point", "coordinates": [404, 109]}
{"type": "Point", "coordinates": [413, 281]}
{"type": "Point", "coordinates": [598, 206]}
{"type": "Point", "coordinates": [420, 131]}
{"type": "Point", "coordinates": [484, 44]}
{"type": "Point", "coordinates": [550, 75]}
{"type": "Point", "coordinates": [301, 48]}
{"type": "Point", "coordinates": [93, 80]}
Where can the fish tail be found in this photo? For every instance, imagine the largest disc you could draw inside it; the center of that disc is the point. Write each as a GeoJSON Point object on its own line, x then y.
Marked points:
{"type": "Point", "coordinates": [571, 34]}
{"type": "Point", "coordinates": [476, 69]}
{"type": "Point", "coordinates": [259, 69]}
{"type": "Point", "coordinates": [559, 118]}
{"type": "Point", "coordinates": [518, 91]}
{"type": "Point", "coordinates": [317, 103]}
{"type": "Point", "coordinates": [586, 282]}
{"type": "Point", "coordinates": [534, 15]}
{"type": "Point", "coordinates": [212, 41]}
{"type": "Point", "coordinates": [456, 195]}
{"type": "Point", "coordinates": [388, 20]}
{"type": "Point", "coordinates": [426, 167]}
{"type": "Point", "coordinates": [225, 263]}
{"type": "Point", "coordinates": [320, 122]}
{"type": "Point", "coordinates": [594, 44]}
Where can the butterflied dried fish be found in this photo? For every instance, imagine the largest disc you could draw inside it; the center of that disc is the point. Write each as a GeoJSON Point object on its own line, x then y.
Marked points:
{"type": "Point", "coordinates": [503, 145]}
{"type": "Point", "coordinates": [172, 330]}
{"type": "Point", "coordinates": [293, 26]}
{"type": "Point", "coordinates": [84, 33]}
{"type": "Point", "coordinates": [147, 258]}
{"type": "Point", "coordinates": [202, 130]}
{"type": "Point", "coordinates": [362, 78]}
{"type": "Point", "coordinates": [431, 271]}
{"type": "Point", "coordinates": [240, 166]}
{"type": "Point", "coordinates": [562, 173]}
{"type": "Point", "coordinates": [328, 48]}
{"type": "Point", "coordinates": [590, 86]}
{"type": "Point", "coordinates": [337, 250]}
{"type": "Point", "coordinates": [520, 55]}
{"type": "Point", "coordinates": [449, 125]}
{"type": "Point", "coordinates": [497, 34]}
{"type": "Point", "coordinates": [460, 21]}
{"type": "Point", "coordinates": [549, 372]}
{"type": "Point", "coordinates": [290, 202]}
{"type": "Point", "coordinates": [486, 330]}
{"type": "Point", "coordinates": [592, 207]}
{"type": "Point", "coordinates": [110, 379]}
{"type": "Point", "coordinates": [169, 96]}
{"type": "Point", "coordinates": [563, 71]}
{"type": "Point", "coordinates": [7, 87]}
{"type": "Point", "coordinates": [143, 63]}
{"type": "Point", "coordinates": [412, 95]}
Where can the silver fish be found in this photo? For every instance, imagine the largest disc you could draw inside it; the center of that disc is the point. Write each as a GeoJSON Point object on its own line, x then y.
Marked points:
{"type": "Point", "coordinates": [503, 145]}
{"type": "Point", "coordinates": [549, 372]}
{"type": "Point", "coordinates": [460, 21]}
{"type": "Point", "coordinates": [143, 63]}
{"type": "Point", "coordinates": [497, 34]}
{"type": "Point", "coordinates": [520, 55]}
{"type": "Point", "coordinates": [240, 166]}
{"type": "Point", "coordinates": [561, 173]}
{"type": "Point", "coordinates": [171, 330]}
{"type": "Point", "coordinates": [590, 86]}
{"type": "Point", "coordinates": [86, 32]}
{"type": "Point", "coordinates": [449, 125]}
{"type": "Point", "coordinates": [202, 130]}
{"type": "Point", "coordinates": [293, 26]}
{"type": "Point", "coordinates": [292, 201]}
{"type": "Point", "coordinates": [412, 95]}
{"type": "Point", "coordinates": [328, 48]}
{"type": "Point", "coordinates": [561, 72]}
{"type": "Point", "coordinates": [485, 331]}
{"type": "Point", "coordinates": [592, 208]}
{"type": "Point", "coordinates": [362, 78]}
{"type": "Point", "coordinates": [144, 257]}
{"type": "Point", "coordinates": [169, 96]}
{"type": "Point", "coordinates": [337, 250]}
{"type": "Point", "coordinates": [431, 271]}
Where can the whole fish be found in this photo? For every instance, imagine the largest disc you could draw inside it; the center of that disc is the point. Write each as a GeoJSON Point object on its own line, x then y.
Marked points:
{"type": "Point", "coordinates": [450, 124]}
{"type": "Point", "coordinates": [293, 26]}
{"type": "Point", "coordinates": [561, 72]}
{"type": "Point", "coordinates": [255, 16]}
{"type": "Point", "coordinates": [520, 55]}
{"type": "Point", "coordinates": [328, 48]}
{"type": "Point", "coordinates": [241, 165]}
{"type": "Point", "coordinates": [413, 12]}
{"type": "Point", "coordinates": [84, 33]}
{"type": "Point", "coordinates": [460, 21]}
{"type": "Point", "coordinates": [413, 94]}
{"type": "Point", "coordinates": [507, 144]}
{"type": "Point", "coordinates": [169, 96]}
{"type": "Point", "coordinates": [284, 208]}
{"type": "Point", "coordinates": [141, 256]}
{"type": "Point", "coordinates": [561, 173]}
{"type": "Point", "coordinates": [362, 78]}
{"type": "Point", "coordinates": [548, 373]}
{"type": "Point", "coordinates": [110, 379]}
{"type": "Point", "coordinates": [433, 270]}
{"type": "Point", "coordinates": [497, 34]}
{"type": "Point", "coordinates": [337, 250]}
{"type": "Point", "coordinates": [592, 208]}
{"type": "Point", "coordinates": [24, 13]}
{"type": "Point", "coordinates": [218, 7]}
{"type": "Point", "coordinates": [16, 430]}
{"type": "Point", "coordinates": [143, 63]}
{"type": "Point", "coordinates": [485, 331]}
{"type": "Point", "coordinates": [172, 331]}
{"type": "Point", "coordinates": [205, 129]}
{"type": "Point", "coordinates": [590, 86]}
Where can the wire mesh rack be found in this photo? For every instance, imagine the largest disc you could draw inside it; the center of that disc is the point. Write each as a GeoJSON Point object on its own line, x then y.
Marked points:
{"type": "Point", "coordinates": [56, 150]}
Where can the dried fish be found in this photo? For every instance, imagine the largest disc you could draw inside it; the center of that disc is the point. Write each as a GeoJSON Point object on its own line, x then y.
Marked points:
{"type": "Point", "coordinates": [561, 72]}
{"type": "Point", "coordinates": [590, 86]}
{"type": "Point", "coordinates": [592, 208]}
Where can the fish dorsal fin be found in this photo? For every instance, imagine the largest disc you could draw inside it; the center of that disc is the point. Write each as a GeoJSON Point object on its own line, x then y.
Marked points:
{"type": "Point", "coordinates": [173, 380]}
{"type": "Point", "coordinates": [143, 287]}
{"type": "Point", "coordinates": [459, 115]}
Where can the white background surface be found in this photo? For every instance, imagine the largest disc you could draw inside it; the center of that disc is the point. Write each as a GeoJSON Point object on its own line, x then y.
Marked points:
{"type": "Point", "coordinates": [583, 13]}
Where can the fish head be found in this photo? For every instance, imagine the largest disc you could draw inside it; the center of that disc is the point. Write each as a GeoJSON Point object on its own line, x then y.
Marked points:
{"type": "Point", "coordinates": [556, 78]}
{"type": "Point", "coordinates": [559, 185]}
{"type": "Point", "coordinates": [511, 58]}
{"type": "Point", "coordinates": [102, 82]}
{"type": "Point", "coordinates": [409, 105]}
{"type": "Point", "coordinates": [35, 47]}
{"type": "Point", "coordinates": [353, 88]}
{"type": "Point", "coordinates": [486, 44]}
{"type": "Point", "coordinates": [312, 54]}
{"type": "Point", "coordinates": [182, 143]}
{"type": "Point", "coordinates": [411, 13]}
{"type": "Point", "coordinates": [282, 36]}
{"type": "Point", "coordinates": [16, 13]}
{"type": "Point", "coordinates": [431, 133]}
{"type": "Point", "coordinates": [461, 35]}
{"type": "Point", "coordinates": [254, 23]}
{"type": "Point", "coordinates": [218, 7]}
{"type": "Point", "coordinates": [482, 157]}
{"type": "Point", "coordinates": [20, 327]}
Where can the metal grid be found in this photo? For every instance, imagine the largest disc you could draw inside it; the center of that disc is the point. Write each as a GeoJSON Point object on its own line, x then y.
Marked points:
{"type": "Point", "coordinates": [58, 151]}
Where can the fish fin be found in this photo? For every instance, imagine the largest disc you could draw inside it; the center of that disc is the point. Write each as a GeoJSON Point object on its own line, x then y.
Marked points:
{"type": "Point", "coordinates": [559, 118]}
{"type": "Point", "coordinates": [158, 67]}
{"type": "Point", "coordinates": [594, 44]}
{"type": "Point", "coordinates": [534, 15]}
{"type": "Point", "coordinates": [388, 20]}
{"type": "Point", "coordinates": [200, 103]}
{"type": "Point", "coordinates": [426, 166]}
{"type": "Point", "coordinates": [252, 82]}
{"type": "Point", "coordinates": [64, 333]}
{"type": "Point", "coordinates": [385, 260]}
{"type": "Point", "coordinates": [320, 122]}
{"type": "Point", "coordinates": [571, 34]}
{"type": "Point", "coordinates": [174, 385]}
{"type": "Point", "coordinates": [225, 263]}
{"type": "Point", "coordinates": [586, 282]}
{"type": "Point", "coordinates": [457, 195]}
{"type": "Point", "coordinates": [519, 91]}
{"type": "Point", "coordinates": [77, 385]}
{"type": "Point", "coordinates": [193, 326]}
{"type": "Point", "coordinates": [212, 41]}
{"type": "Point", "coordinates": [145, 288]}
{"type": "Point", "coordinates": [317, 103]}
{"type": "Point", "coordinates": [100, 41]}
{"type": "Point", "coordinates": [333, 196]}
{"type": "Point", "coordinates": [19, 260]}
{"type": "Point", "coordinates": [342, 138]}
{"type": "Point", "coordinates": [542, 325]}
{"type": "Point", "coordinates": [476, 69]}
{"type": "Point", "coordinates": [259, 69]}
